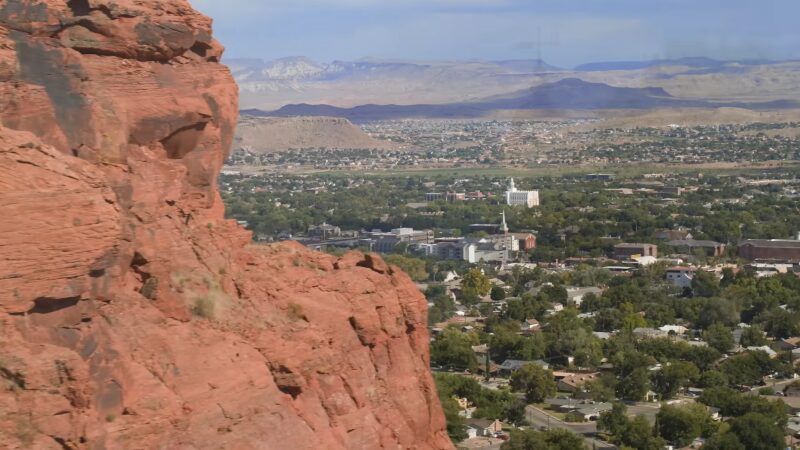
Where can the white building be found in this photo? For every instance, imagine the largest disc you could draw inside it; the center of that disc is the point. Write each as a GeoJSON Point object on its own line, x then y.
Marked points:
{"type": "Point", "coordinates": [681, 276]}
{"type": "Point", "coordinates": [526, 198]}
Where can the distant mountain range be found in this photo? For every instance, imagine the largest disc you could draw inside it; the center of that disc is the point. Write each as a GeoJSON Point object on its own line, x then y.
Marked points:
{"type": "Point", "coordinates": [699, 62]}
{"type": "Point", "coordinates": [299, 68]}
{"type": "Point", "coordinates": [565, 94]}
{"type": "Point", "coordinates": [271, 85]}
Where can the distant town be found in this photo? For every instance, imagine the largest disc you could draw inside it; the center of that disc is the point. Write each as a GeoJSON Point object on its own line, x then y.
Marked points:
{"type": "Point", "coordinates": [606, 309]}
{"type": "Point", "coordinates": [434, 144]}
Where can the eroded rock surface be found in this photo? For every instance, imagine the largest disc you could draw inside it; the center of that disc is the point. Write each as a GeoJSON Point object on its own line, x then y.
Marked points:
{"type": "Point", "coordinates": [132, 315]}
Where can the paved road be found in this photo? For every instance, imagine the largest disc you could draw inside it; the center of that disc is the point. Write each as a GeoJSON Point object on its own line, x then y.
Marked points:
{"type": "Point", "coordinates": [777, 385]}
{"type": "Point", "coordinates": [539, 419]}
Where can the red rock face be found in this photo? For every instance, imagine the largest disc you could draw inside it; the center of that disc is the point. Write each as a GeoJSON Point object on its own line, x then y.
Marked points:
{"type": "Point", "coordinates": [132, 315]}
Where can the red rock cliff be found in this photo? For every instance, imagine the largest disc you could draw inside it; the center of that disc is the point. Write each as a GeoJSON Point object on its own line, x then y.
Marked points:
{"type": "Point", "coordinates": [132, 316]}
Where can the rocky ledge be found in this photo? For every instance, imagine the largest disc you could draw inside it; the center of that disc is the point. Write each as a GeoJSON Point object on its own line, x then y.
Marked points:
{"type": "Point", "coordinates": [132, 315]}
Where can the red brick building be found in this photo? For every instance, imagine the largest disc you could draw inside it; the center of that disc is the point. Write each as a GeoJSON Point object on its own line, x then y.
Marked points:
{"type": "Point", "coordinates": [783, 250]}
{"type": "Point", "coordinates": [527, 241]}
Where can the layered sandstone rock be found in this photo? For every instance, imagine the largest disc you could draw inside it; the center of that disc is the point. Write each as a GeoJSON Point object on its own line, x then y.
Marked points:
{"type": "Point", "coordinates": [132, 316]}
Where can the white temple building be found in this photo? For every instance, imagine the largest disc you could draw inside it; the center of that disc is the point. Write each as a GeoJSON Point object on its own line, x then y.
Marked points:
{"type": "Point", "coordinates": [526, 198]}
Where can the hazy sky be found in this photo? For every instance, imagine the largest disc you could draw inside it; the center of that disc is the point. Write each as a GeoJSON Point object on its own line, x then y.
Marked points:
{"type": "Point", "coordinates": [572, 31]}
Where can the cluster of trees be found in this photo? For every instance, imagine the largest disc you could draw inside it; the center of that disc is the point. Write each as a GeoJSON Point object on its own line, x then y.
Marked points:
{"type": "Point", "coordinates": [495, 404]}
{"type": "Point", "coordinates": [756, 423]}
{"type": "Point", "coordinates": [634, 433]}
{"type": "Point", "coordinates": [555, 439]}
{"type": "Point", "coordinates": [535, 382]}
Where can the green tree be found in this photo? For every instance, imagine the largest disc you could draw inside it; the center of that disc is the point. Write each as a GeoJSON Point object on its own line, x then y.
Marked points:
{"type": "Point", "coordinates": [638, 434]}
{"type": "Point", "coordinates": [680, 425]}
{"type": "Point", "coordinates": [705, 284]}
{"type": "Point", "coordinates": [455, 423]}
{"type": "Point", "coordinates": [782, 324]}
{"type": "Point", "coordinates": [537, 383]}
{"type": "Point", "coordinates": [724, 441]}
{"type": "Point", "coordinates": [475, 281]}
{"type": "Point", "coordinates": [749, 367]}
{"type": "Point", "coordinates": [757, 432]}
{"type": "Point", "coordinates": [443, 308]}
{"type": "Point", "coordinates": [555, 439]}
{"type": "Point", "coordinates": [634, 385]}
{"type": "Point", "coordinates": [454, 348]}
{"type": "Point", "coordinates": [672, 377]}
{"type": "Point", "coordinates": [614, 421]}
{"type": "Point", "coordinates": [719, 337]}
{"type": "Point", "coordinates": [732, 404]}
{"type": "Point", "coordinates": [716, 310]}
{"type": "Point", "coordinates": [507, 343]}
{"type": "Point", "coordinates": [713, 378]}
{"type": "Point", "coordinates": [603, 388]}
{"type": "Point", "coordinates": [414, 267]}
{"type": "Point", "coordinates": [497, 293]}
{"type": "Point", "coordinates": [753, 337]}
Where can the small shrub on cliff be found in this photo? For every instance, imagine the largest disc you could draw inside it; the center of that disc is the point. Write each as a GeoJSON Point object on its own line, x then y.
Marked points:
{"type": "Point", "coordinates": [25, 431]}
{"type": "Point", "coordinates": [204, 307]}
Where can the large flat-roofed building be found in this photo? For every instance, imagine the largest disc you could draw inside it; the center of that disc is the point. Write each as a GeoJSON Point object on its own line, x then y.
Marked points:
{"type": "Point", "coordinates": [626, 251]}
{"type": "Point", "coordinates": [710, 248]}
{"type": "Point", "coordinates": [784, 250]}
{"type": "Point", "coordinates": [386, 242]}
{"type": "Point", "coordinates": [600, 177]}
{"type": "Point", "coordinates": [516, 197]}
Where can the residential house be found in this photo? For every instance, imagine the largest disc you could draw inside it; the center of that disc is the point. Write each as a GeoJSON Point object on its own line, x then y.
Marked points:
{"type": "Point", "coordinates": [788, 343]}
{"type": "Point", "coordinates": [576, 294]}
{"type": "Point", "coordinates": [681, 276]}
{"type": "Point", "coordinates": [792, 390]}
{"type": "Point", "coordinates": [483, 427]}
{"type": "Point", "coordinates": [649, 333]}
{"type": "Point", "coordinates": [575, 382]}
{"type": "Point", "coordinates": [530, 326]}
{"type": "Point", "coordinates": [592, 412]}
{"type": "Point", "coordinates": [675, 329]}
{"type": "Point", "coordinates": [768, 270]}
{"type": "Point", "coordinates": [481, 352]}
{"type": "Point", "coordinates": [510, 366]}
{"type": "Point", "coordinates": [764, 348]}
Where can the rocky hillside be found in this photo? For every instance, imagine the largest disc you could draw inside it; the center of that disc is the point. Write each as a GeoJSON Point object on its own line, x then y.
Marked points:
{"type": "Point", "coordinates": [133, 315]}
{"type": "Point", "coordinates": [270, 134]}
